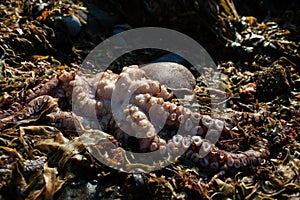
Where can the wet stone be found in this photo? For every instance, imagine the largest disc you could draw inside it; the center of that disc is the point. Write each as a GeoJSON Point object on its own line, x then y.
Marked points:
{"type": "Point", "coordinates": [175, 76]}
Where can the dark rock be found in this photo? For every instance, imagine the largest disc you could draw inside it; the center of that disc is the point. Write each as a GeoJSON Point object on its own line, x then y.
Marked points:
{"type": "Point", "coordinates": [172, 57]}
{"type": "Point", "coordinates": [73, 25]}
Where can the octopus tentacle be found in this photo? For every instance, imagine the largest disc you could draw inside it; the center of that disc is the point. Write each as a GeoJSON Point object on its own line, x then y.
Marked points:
{"type": "Point", "coordinates": [202, 151]}
{"type": "Point", "coordinates": [179, 115]}
{"type": "Point", "coordinates": [46, 87]}
{"type": "Point", "coordinates": [132, 76]}
{"type": "Point", "coordinates": [255, 118]}
{"type": "Point", "coordinates": [149, 118]}
{"type": "Point", "coordinates": [13, 108]}
{"type": "Point", "coordinates": [40, 105]}
{"type": "Point", "coordinates": [65, 120]}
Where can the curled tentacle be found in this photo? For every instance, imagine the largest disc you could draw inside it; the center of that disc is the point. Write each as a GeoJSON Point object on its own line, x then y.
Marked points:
{"type": "Point", "coordinates": [45, 88]}
{"type": "Point", "coordinates": [37, 108]}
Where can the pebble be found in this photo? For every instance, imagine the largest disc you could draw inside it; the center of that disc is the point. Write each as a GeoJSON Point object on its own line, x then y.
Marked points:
{"type": "Point", "coordinates": [175, 76]}
{"type": "Point", "coordinates": [73, 25]}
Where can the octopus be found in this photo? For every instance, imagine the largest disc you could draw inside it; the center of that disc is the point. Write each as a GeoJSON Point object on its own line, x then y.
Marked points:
{"type": "Point", "coordinates": [149, 123]}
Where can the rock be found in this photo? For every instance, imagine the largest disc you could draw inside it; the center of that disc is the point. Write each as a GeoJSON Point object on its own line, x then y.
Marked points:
{"type": "Point", "coordinates": [175, 76]}
{"type": "Point", "coordinates": [100, 17]}
{"type": "Point", "coordinates": [172, 57]}
{"type": "Point", "coordinates": [119, 28]}
{"type": "Point", "coordinates": [82, 191]}
{"type": "Point", "coordinates": [72, 24]}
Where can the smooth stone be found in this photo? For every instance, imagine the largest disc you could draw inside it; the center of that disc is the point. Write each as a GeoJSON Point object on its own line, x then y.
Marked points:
{"type": "Point", "coordinates": [73, 25]}
{"type": "Point", "coordinates": [173, 75]}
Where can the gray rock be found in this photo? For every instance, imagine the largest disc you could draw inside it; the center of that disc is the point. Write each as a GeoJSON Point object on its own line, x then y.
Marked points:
{"type": "Point", "coordinates": [175, 76]}
{"type": "Point", "coordinates": [172, 75]}
{"type": "Point", "coordinates": [84, 191]}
